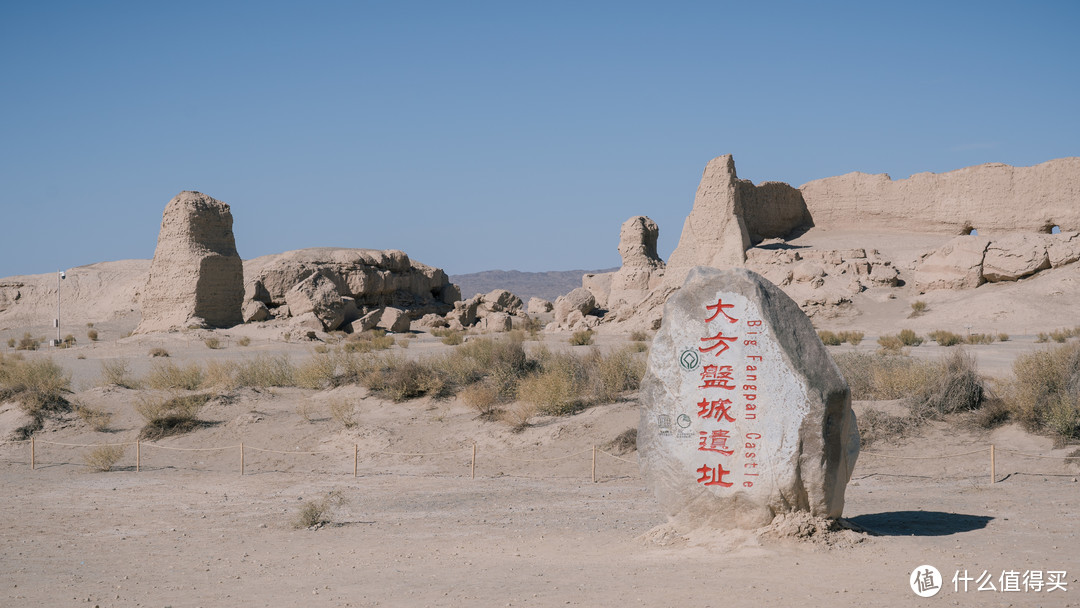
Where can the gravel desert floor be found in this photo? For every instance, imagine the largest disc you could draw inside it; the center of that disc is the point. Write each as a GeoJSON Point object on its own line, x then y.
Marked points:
{"type": "Point", "coordinates": [532, 527]}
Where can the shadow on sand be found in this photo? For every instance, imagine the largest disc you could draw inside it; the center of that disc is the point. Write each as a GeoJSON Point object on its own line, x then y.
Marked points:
{"type": "Point", "coordinates": [919, 523]}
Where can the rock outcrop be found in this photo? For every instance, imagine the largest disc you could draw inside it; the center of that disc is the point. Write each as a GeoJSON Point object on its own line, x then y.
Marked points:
{"type": "Point", "coordinates": [992, 198]}
{"type": "Point", "coordinates": [364, 280]}
{"type": "Point", "coordinates": [196, 277]}
{"type": "Point", "coordinates": [744, 415]}
{"type": "Point", "coordinates": [642, 269]}
{"type": "Point", "coordinates": [966, 262]}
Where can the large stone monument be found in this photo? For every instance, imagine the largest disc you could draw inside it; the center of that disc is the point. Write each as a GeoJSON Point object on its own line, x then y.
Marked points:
{"type": "Point", "coordinates": [196, 278]}
{"type": "Point", "coordinates": [744, 414]}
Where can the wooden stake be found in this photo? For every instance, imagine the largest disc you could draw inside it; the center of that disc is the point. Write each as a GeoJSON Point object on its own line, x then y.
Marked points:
{"type": "Point", "coordinates": [355, 458]}
{"type": "Point", "coordinates": [473, 468]}
{"type": "Point", "coordinates": [241, 457]}
{"type": "Point", "coordinates": [594, 464]}
{"type": "Point", "coordinates": [993, 472]}
{"type": "Point", "coordinates": [32, 453]}
{"type": "Point", "coordinates": [138, 454]}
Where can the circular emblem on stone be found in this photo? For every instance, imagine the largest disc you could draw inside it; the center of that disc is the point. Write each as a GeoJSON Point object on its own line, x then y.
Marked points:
{"type": "Point", "coordinates": [689, 360]}
{"type": "Point", "coordinates": [683, 421]}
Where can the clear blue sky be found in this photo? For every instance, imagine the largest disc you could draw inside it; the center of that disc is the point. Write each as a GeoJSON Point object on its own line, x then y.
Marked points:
{"type": "Point", "coordinates": [484, 135]}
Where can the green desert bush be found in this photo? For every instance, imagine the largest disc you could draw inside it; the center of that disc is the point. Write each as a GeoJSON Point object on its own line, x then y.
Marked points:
{"type": "Point", "coordinates": [1045, 392]}
{"type": "Point", "coordinates": [582, 338]}
{"type": "Point", "coordinates": [104, 457]}
{"type": "Point", "coordinates": [945, 338]}
{"type": "Point", "coordinates": [172, 416]}
{"type": "Point", "coordinates": [166, 375]}
{"type": "Point", "coordinates": [115, 372]}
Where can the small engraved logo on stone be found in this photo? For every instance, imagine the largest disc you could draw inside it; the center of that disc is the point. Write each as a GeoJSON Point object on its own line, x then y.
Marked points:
{"type": "Point", "coordinates": [663, 422]}
{"type": "Point", "coordinates": [689, 360]}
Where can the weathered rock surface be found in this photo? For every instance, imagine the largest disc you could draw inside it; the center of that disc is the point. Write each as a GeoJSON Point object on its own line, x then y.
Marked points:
{"type": "Point", "coordinates": [538, 306]}
{"type": "Point", "coordinates": [366, 322]}
{"type": "Point", "coordinates": [373, 278]}
{"type": "Point", "coordinates": [956, 265]}
{"type": "Point", "coordinates": [738, 427]}
{"type": "Point", "coordinates": [395, 320]}
{"type": "Point", "coordinates": [992, 198]}
{"type": "Point", "coordinates": [642, 269]}
{"type": "Point", "coordinates": [1014, 256]}
{"type": "Point", "coordinates": [714, 233]}
{"type": "Point", "coordinates": [580, 300]}
{"type": "Point", "coordinates": [196, 277]}
{"type": "Point", "coordinates": [598, 284]}
{"type": "Point", "coordinates": [319, 295]}
{"type": "Point", "coordinates": [255, 311]}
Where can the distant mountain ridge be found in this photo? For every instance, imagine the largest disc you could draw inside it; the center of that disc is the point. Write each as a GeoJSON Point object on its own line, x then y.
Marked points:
{"type": "Point", "coordinates": [547, 285]}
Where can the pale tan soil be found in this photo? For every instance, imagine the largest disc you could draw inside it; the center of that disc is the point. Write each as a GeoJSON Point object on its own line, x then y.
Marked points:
{"type": "Point", "coordinates": [189, 530]}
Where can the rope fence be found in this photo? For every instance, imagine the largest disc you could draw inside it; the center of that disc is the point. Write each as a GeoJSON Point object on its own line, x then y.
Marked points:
{"type": "Point", "coordinates": [471, 448]}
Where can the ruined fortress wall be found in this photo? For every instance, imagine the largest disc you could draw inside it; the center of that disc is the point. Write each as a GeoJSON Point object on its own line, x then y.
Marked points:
{"type": "Point", "coordinates": [771, 209]}
{"type": "Point", "coordinates": [991, 198]}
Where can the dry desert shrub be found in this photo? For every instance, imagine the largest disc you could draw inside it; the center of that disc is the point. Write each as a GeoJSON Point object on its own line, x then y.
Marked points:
{"type": "Point", "coordinates": [104, 457]}
{"type": "Point", "coordinates": [318, 372]}
{"type": "Point", "coordinates": [212, 343]}
{"type": "Point", "coordinates": [614, 374]}
{"type": "Point", "coordinates": [909, 338]}
{"type": "Point", "coordinates": [1042, 338]}
{"type": "Point", "coordinates": [875, 426]}
{"type": "Point", "coordinates": [116, 373]}
{"type": "Point", "coordinates": [317, 512]}
{"type": "Point", "coordinates": [954, 386]}
{"type": "Point", "coordinates": [159, 352]}
{"type": "Point", "coordinates": [560, 387]}
{"type": "Point", "coordinates": [401, 379]}
{"type": "Point", "coordinates": [307, 409]}
{"type": "Point", "coordinates": [639, 336]}
{"type": "Point", "coordinates": [624, 443]}
{"type": "Point", "coordinates": [918, 307]}
{"type": "Point", "coordinates": [1003, 337]}
{"type": "Point", "coordinates": [97, 419]}
{"type": "Point", "coordinates": [403, 342]}
{"type": "Point", "coordinates": [582, 338]}
{"type": "Point", "coordinates": [518, 414]}
{"type": "Point", "coordinates": [1045, 392]}
{"type": "Point", "coordinates": [221, 374]}
{"type": "Point", "coordinates": [11, 342]}
{"type": "Point", "coordinates": [829, 338]}
{"type": "Point", "coordinates": [173, 416]}
{"type": "Point", "coordinates": [890, 344]}
{"type": "Point", "coordinates": [483, 396]}
{"type": "Point", "coordinates": [244, 341]}
{"type": "Point", "coordinates": [27, 343]}
{"type": "Point", "coordinates": [449, 337]}
{"type": "Point", "coordinates": [166, 375]}
{"type": "Point", "coordinates": [38, 385]}
{"type": "Point", "coordinates": [367, 341]}
{"type": "Point", "coordinates": [851, 337]}
{"type": "Point", "coordinates": [343, 412]}
{"type": "Point", "coordinates": [265, 371]}
{"type": "Point", "coordinates": [979, 339]}
{"type": "Point", "coordinates": [945, 338]}
{"type": "Point", "coordinates": [883, 376]}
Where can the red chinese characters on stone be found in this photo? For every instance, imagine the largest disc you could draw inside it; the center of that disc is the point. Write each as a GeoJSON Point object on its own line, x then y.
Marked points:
{"type": "Point", "coordinates": [717, 376]}
{"type": "Point", "coordinates": [718, 309]}
{"type": "Point", "coordinates": [713, 476]}
{"type": "Point", "coordinates": [721, 342]}
{"type": "Point", "coordinates": [714, 442]}
{"type": "Point", "coordinates": [719, 409]}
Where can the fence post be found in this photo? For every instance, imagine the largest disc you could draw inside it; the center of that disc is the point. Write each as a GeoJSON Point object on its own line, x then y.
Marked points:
{"type": "Point", "coordinates": [993, 475]}
{"type": "Point", "coordinates": [241, 457]}
{"type": "Point", "coordinates": [32, 453]}
{"type": "Point", "coordinates": [356, 459]}
{"type": "Point", "coordinates": [594, 464]}
{"type": "Point", "coordinates": [472, 469]}
{"type": "Point", "coordinates": [138, 454]}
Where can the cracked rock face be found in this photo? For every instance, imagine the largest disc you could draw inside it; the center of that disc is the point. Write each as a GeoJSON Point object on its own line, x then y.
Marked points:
{"type": "Point", "coordinates": [196, 277]}
{"type": "Point", "coordinates": [744, 415]}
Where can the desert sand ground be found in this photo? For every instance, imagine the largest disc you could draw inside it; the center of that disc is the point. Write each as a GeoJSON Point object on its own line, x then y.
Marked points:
{"type": "Point", "coordinates": [531, 529]}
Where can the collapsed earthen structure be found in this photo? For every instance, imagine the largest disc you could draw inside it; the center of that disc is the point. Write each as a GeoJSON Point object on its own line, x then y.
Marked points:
{"type": "Point", "coordinates": [196, 278]}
